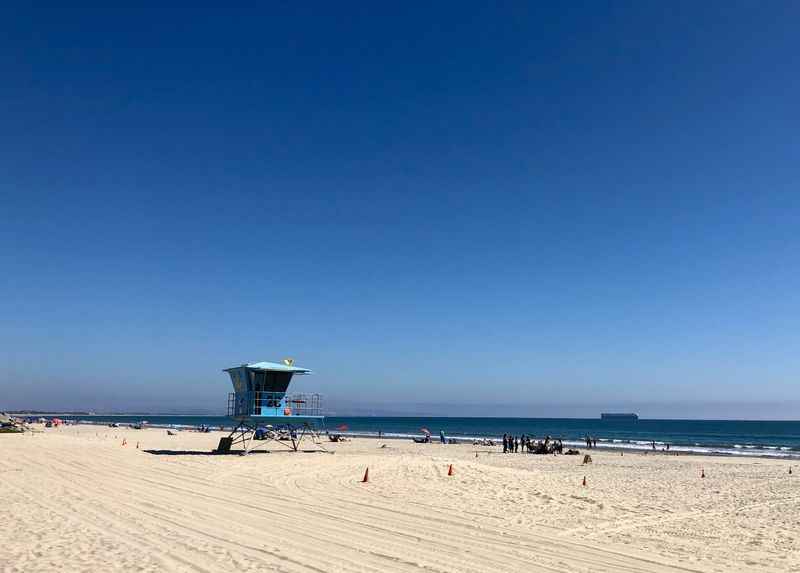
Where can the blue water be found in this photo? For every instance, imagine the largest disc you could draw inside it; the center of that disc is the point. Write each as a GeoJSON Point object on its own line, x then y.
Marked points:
{"type": "Point", "coordinates": [738, 438]}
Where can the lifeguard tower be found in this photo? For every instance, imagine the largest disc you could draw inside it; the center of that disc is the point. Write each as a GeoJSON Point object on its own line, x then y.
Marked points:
{"type": "Point", "coordinates": [262, 408]}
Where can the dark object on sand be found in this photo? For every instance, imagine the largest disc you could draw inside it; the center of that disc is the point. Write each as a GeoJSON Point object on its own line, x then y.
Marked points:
{"type": "Point", "coordinates": [9, 425]}
{"type": "Point", "coordinates": [546, 446]}
{"type": "Point", "coordinates": [587, 459]}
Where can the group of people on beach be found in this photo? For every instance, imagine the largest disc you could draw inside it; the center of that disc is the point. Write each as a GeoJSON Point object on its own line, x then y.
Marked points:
{"type": "Point", "coordinates": [529, 444]}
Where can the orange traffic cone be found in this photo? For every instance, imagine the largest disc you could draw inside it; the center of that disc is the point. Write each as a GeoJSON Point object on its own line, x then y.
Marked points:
{"type": "Point", "coordinates": [450, 470]}
{"type": "Point", "coordinates": [584, 481]}
{"type": "Point", "coordinates": [703, 473]}
{"type": "Point", "coordinates": [366, 476]}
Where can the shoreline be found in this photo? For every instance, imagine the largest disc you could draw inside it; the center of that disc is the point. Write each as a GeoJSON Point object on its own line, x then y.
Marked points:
{"type": "Point", "coordinates": [640, 447]}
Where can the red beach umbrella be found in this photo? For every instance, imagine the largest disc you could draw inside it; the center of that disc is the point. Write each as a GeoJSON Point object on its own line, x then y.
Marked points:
{"type": "Point", "coordinates": [425, 431]}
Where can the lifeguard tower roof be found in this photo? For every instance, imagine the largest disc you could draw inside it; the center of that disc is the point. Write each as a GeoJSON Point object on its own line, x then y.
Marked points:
{"type": "Point", "coordinates": [271, 367]}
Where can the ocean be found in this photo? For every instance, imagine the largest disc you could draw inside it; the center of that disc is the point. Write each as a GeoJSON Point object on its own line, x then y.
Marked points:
{"type": "Point", "coordinates": [717, 437]}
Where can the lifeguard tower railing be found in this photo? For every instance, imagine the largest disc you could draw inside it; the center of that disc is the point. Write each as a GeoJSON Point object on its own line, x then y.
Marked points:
{"type": "Point", "coordinates": [273, 405]}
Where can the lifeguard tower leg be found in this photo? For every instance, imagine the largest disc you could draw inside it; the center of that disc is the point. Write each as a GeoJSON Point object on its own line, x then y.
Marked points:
{"type": "Point", "coordinates": [242, 434]}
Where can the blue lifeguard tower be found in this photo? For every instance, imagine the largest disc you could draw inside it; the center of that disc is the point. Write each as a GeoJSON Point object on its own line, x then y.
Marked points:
{"type": "Point", "coordinates": [263, 409]}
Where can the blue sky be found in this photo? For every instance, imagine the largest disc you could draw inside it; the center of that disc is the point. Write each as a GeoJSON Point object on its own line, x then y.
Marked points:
{"type": "Point", "coordinates": [527, 204]}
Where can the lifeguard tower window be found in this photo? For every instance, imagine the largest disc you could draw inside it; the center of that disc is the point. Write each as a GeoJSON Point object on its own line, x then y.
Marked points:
{"type": "Point", "coordinates": [265, 381]}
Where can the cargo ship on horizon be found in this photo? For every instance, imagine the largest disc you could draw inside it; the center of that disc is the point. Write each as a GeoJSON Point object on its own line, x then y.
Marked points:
{"type": "Point", "coordinates": [618, 416]}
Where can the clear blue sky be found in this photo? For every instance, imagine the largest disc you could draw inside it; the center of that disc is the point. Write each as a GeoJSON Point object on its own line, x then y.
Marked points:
{"type": "Point", "coordinates": [524, 203]}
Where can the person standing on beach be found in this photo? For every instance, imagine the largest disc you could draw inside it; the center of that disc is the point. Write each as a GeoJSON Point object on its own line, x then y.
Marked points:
{"type": "Point", "coordinates": [516, 445]}
{"type": "Point", "coordinates": [505, 443]}
{"type": "Point", "coordinates": [594, 442]}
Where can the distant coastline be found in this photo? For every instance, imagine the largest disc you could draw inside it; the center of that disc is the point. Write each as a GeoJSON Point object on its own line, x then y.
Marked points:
{"type": "Point", "coordinates": [96, 413]}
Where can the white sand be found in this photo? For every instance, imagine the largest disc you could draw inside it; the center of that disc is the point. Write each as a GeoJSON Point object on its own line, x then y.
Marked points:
{"type": "Point", "coordinates": [71, 500]}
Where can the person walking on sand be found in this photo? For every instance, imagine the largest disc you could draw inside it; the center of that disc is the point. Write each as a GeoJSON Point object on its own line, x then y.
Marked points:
{"type": "Point", "coordinates": [505, 443]}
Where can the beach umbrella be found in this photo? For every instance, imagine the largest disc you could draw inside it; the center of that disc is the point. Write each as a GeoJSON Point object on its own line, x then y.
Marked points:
{"type": "Point", "coordinates": [425, 431]}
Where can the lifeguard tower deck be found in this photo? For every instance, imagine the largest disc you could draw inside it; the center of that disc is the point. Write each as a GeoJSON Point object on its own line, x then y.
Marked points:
{"type": "Point", "coordinates": [263, 409]}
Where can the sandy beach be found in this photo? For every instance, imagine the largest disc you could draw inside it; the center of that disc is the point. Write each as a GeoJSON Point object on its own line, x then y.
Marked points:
{"type": "Point", "coordinates": [75, 499]}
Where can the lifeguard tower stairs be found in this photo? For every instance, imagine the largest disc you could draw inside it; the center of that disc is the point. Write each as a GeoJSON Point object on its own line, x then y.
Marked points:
{"type": "Point", "coordinates": [264, 413]}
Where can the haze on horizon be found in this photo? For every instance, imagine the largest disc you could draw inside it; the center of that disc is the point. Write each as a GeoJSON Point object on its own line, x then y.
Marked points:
{"type": "Point", "coordinates": [532, 209]}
